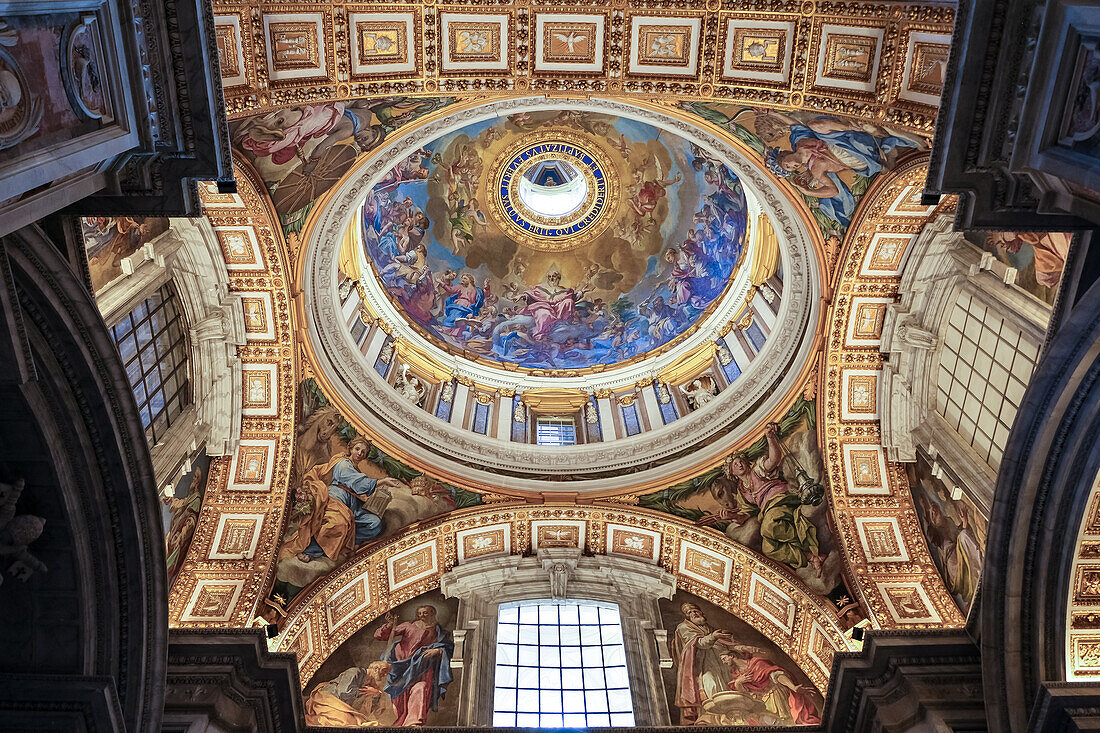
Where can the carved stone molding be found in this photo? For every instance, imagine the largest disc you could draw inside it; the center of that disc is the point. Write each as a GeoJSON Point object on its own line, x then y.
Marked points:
{"type": "Point", "coordinates": [70, 427]}
{"type": "Point", "coordinates": [907, 681]}
{"type": "Point", "coordinates": [228, 680]}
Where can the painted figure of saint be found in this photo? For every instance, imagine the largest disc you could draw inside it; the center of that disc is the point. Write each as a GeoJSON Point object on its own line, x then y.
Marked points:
{"type": "Point", "coordinates": [355, 698]}
{"type": "Point", "coordinates": [337, 522]}
{"type": "Point", "coordinates": [549, 303]}
{"type": "Point", "coordinates": [420, 660]}
{"type": "Point", "coordinates": [698, 648]}
{"type": "Point", "coordinates": [784, 699]}
{"type": "Point", "coordinates": [823, 148]}
{"type": "Point", "coordinates": [462, 301]}
{"type": "Point", "coordinates": [787, 535]}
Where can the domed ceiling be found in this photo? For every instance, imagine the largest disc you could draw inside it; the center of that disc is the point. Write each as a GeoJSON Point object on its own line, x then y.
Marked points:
{"type": "Point", "coordinates": [554, 240]}
{"type": "Point", "coordinates": [522, 257]}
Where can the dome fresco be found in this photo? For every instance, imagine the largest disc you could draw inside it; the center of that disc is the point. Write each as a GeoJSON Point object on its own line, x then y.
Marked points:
{"type": "Point", "coordinates": [555, 240]}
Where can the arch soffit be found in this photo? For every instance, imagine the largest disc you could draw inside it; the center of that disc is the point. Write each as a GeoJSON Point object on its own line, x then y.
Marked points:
{"type": "Point", "coordinates": [802, 624]}
{"type": "Point", "coordinates": [232, 553]}
{"type": "Point", "coordinates": [882, 94]}
{"type": "Point", "coordinates": [873, 512]}
{"type": "Point", "coordinates": [1038, 632]}
{"type": "Point", "coordinates": [793, 341]}
{"type": "Point", "coordinates": [81, 392]}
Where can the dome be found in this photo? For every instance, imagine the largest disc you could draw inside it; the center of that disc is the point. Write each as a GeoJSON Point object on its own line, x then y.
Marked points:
{"type": "Point", "coordinates": [551, 240]}
{"type": "Point", "coordinates": [512, 268]}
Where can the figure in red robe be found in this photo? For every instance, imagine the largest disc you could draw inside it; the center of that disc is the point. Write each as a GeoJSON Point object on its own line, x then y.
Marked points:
{"type": "Point", "coordinates": [782, 696]}
{"type": "Point", "coordinates": [421, 664]}
{"type": "Point", "coordinates": [550, 303]}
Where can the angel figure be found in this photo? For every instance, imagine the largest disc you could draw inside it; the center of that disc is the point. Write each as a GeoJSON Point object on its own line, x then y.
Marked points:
{"type": "Point", "coordinates": [650, 192]}
{"type": "Point", "coordinates": [700, 392]}
{"type": "Point", "coordinates": [409, 386]}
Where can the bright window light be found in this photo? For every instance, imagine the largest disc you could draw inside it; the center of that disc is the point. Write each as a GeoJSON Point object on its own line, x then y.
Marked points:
{"type": "Point", "coordinates": [561, 664]}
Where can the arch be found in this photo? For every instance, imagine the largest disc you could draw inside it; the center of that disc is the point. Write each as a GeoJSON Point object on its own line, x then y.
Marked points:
{"type": "Point", "coordinates": [802, 625]}
{"type": "Point", "coordinates": [872, 507]}
{"type": "Point", "coordinates": [232, 553]}
{"type": "Point", "coordinates": [1035, 623]}
{"type": "Point", "coordinates": [84, 447]}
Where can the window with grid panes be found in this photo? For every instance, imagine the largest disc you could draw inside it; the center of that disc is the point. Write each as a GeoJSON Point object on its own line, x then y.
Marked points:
{"type": "Point", "coordinates": [985, 365]}
{"type": "Point", "coordinates": [152, 340]}
{"type": "Point", "coordinates": [555, 431]}
{"type": "Point", "coordinates": [561, 664]}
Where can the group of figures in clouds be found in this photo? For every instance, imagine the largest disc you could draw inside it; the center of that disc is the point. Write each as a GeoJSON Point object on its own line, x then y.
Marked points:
{"type": "Point", "coordinates": [456, 274]}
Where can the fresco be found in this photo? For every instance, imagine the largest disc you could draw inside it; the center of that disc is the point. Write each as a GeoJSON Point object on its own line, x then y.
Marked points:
{"type": "Point", "coordinates": [674, 242]}
{"type": "Point", "coordinates": [301, 152]}
{"type": "Point", "coordinates": [51, 82]}
{"type": "Point", "coordinates": [831, 161]}
{"type": "Point", "coordinates": [110, 239]}
{"type": "Point", "coordinates": [757, 499]}
{"type": "Point", "coordinates": [345, 494]}
{"type": "Point", "coordinates": [395, 671]}
{"type": "Point", "coordinates": [1039, 257]}
{"type": "Point", "coordinates": [724, 672]}
{"type": "Point", "coordinates": [954, 528]}
{"type": "Point", "coordinates": [182, 502]}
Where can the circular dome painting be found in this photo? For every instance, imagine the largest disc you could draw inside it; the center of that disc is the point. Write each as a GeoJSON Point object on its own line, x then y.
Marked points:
{"type": "Point", "coordinates": [555, 240]}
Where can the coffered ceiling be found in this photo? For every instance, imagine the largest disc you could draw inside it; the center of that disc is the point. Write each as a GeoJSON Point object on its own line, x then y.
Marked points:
{"type": "Point", "coordinates": [882, 61]}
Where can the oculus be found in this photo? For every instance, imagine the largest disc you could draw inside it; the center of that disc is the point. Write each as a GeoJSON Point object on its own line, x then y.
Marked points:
{"type": "Point", "coordinates": [552, 194]}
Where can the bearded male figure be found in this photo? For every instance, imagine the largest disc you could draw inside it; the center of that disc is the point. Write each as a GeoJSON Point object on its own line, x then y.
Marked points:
{"type": "Point", "coordinates": [421, 664]}
{"type": "Point", "coordinates": [701, 673]}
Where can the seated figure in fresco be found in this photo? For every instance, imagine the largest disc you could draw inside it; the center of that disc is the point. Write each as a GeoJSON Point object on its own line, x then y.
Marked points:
{"type": "Point", "coordinates": [549, 303]}
{"type": "Point", "coordinates": [420, 662]}
{"type": "Point", "coordinates": [357, 697]}
{"type": "Point", "coordinates": [337, 521]}
{"type": "Point", "coordinates": [411, 267]}
{"type": "Point", "coordinates": [461, 301]}
{"type": "Point", "coordinates": [784, 699]}
{"type": "Point", "coordinates": [762, 492]}
{"type": "Point", "coordinates": [661, 317]}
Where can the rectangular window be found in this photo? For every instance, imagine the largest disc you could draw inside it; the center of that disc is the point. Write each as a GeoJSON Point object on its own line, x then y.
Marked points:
{"type": "Point", "coordinates": [561, 664]}
{"type": "Point", "coordinates": [555, 431]}
{"type": "Point", "coordinates": [481, 419]}
{"type": "Point", "coordinates": [984, 366]}
{"type": "Point", "coordinates": [152, 342]}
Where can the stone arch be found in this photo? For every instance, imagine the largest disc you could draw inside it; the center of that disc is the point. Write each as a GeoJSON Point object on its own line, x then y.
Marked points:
{"type": "Point", "coordinates": [872, 506]}
{"type": "Point", "coordinates": [72, 436]}
{"type": "Point", "coordinates": [802, 624]}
